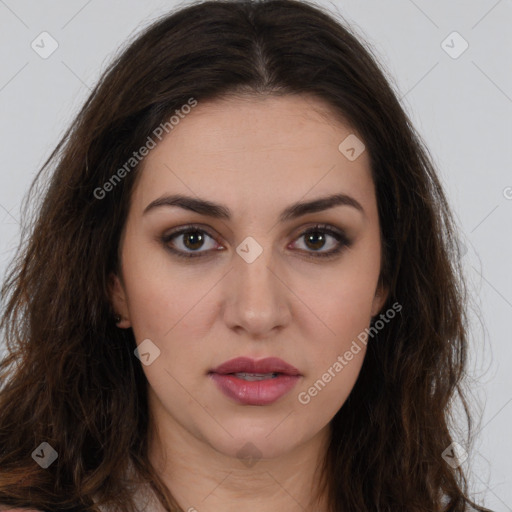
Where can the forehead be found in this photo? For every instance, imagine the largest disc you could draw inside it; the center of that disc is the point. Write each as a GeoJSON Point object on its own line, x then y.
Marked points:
{"type": "Point", "coordinates": [269, 148]}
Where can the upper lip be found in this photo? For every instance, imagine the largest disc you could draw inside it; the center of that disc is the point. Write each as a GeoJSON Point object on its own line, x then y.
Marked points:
{"type": "Point", "coordinates": [248, 365]}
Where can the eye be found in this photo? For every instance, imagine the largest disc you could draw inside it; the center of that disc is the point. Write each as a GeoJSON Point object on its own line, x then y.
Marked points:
{"type": "Point", "coordinates": [316, 238]}
{"type": "Point", "coordinates": [190, 239]}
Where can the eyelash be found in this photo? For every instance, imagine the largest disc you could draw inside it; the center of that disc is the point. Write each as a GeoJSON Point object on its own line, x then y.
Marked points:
{"type": "Point", "coordinates": [343, 241]}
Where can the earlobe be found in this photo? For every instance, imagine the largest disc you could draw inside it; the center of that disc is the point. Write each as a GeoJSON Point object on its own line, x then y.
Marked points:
{"type": "Point", "coordinates": [380, 298]}
{"type": "Point", "coordinates": [119, 303]}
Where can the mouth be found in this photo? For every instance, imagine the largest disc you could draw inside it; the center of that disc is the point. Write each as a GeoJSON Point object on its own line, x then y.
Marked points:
{"type": "Point", "coordinates": [250, 382]}
{"type": "Point", "coordinates": [269, 367]}
{"type": "Point", "coordinates": [251, 377]}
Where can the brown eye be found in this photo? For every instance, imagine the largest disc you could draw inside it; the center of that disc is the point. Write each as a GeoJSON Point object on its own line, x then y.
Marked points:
{"type": "Point", "coordinates": [317, 238]}
{"type": "Point", "coordinates": [193, 241]}
{"type": "Point", "coordinates": [188, 242]}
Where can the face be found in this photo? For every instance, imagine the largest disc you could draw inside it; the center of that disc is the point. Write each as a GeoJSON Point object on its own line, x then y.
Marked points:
{"type": "Point", "coordinates": [257, 276]}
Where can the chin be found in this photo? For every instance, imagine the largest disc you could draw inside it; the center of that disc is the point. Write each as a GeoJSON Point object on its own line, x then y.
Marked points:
{"type": "Point", "coordinates": [263, 439]}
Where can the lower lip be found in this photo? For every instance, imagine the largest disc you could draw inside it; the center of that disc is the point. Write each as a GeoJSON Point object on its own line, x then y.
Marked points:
{"type": "Point", "coordinates": [258, 392]}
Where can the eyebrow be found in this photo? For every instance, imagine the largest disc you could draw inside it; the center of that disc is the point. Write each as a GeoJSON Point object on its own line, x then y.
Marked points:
{"type": "Point", "coordinates": [219, 211]}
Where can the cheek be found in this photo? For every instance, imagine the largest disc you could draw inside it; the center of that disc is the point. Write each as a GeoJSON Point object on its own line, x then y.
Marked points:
{"type": "Point", "coordinates": [171, 307]}
{"type": "Point", "coordinates": [159, 293]}
{"type": "Point", "coordinates": [154, 307]}
{"type": "Point", "coordinates": [335, 358]}
{"type": "Point", "coordinates": [339, 335]}
{"type": "Point", "coordinates": [344, 340]}
{"type": "Point", "coordinates": [344, 303]}
{"type": "Point", "coordinates": [329, 389]}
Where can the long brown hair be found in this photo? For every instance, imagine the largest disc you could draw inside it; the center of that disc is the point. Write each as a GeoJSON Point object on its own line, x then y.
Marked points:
{"type": "Point", "coordinates": [70, 377]}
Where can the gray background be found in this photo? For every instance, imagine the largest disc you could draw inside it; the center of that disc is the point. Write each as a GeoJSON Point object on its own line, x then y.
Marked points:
{"type": "Point", "coordinates": [461, 106]}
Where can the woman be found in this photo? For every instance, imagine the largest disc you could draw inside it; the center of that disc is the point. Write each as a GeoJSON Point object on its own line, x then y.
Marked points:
{"type": "Point", "coordinates": [242, 286]}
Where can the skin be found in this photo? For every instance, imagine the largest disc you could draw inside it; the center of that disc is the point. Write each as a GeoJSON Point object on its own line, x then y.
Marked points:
{"type": "Point", "coordinates": [256, 156]}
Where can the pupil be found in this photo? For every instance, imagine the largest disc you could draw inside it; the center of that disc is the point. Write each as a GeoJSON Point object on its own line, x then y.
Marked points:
{"type": "Point", "coordinates": [318, 236]}
{"type": "Point", "coordinates": [191, 236]}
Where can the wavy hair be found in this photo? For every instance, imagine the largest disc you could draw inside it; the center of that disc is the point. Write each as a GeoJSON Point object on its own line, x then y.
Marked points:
{"type": "Point", "coordinates": [70, 377]}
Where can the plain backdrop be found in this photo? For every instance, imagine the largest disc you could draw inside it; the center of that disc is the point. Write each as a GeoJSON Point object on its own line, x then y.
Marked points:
{"type": "Point", "coordinates": [456, 88]}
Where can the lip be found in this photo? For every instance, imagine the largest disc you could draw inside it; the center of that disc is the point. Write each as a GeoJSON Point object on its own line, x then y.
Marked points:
{"type": "Point", "coordinates": [248, 365]}
{"type": "Point", "coordinates": [261, 392]}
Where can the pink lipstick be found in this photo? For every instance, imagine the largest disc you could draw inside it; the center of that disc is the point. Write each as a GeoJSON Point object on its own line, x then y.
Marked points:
{"type": "Point", "coordinates": [251, 382]}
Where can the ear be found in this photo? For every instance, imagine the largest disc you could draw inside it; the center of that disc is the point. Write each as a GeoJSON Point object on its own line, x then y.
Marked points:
{"type": "Point", "coordinates": [117, 295]}
{"type": "Point", "coordinates": [380, 298]}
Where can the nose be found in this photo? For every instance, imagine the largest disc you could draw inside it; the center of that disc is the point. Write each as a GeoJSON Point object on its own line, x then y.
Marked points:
{"type": "Point", "coordinates": [257, 298]}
